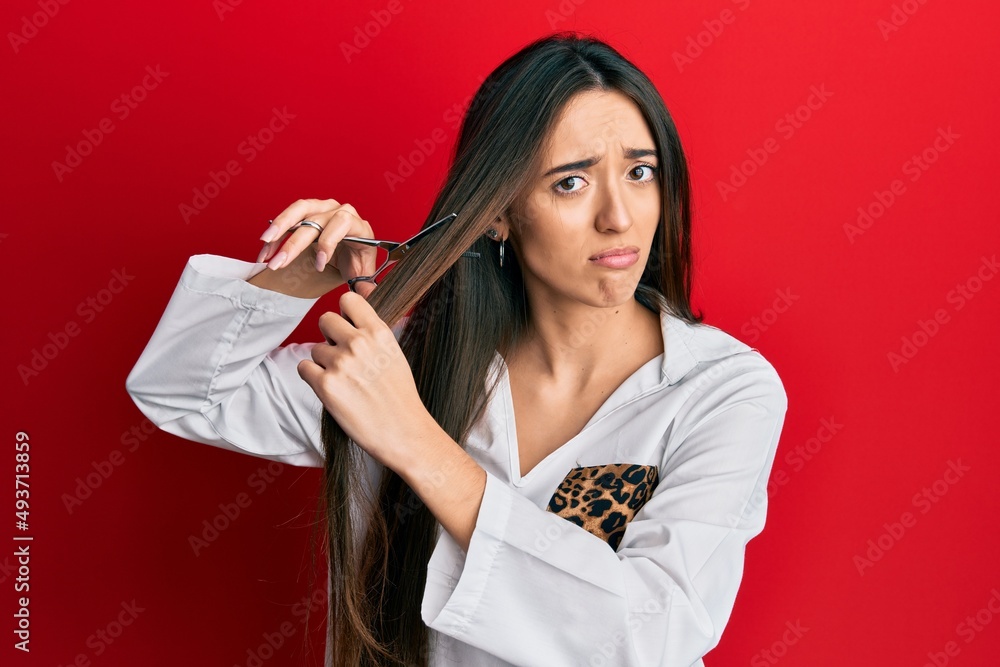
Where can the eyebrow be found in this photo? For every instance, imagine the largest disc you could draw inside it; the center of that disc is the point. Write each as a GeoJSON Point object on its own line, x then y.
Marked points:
{"type": "Point", "coordinates": [630, 154]}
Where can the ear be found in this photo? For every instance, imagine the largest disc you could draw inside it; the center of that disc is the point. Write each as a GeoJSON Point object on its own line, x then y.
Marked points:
{"type": "Point", "coordinates": [502, 225]}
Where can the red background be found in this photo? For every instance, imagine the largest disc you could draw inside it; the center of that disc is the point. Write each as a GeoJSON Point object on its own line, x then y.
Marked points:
{"type": "Point", "coordinates": [853, 300]}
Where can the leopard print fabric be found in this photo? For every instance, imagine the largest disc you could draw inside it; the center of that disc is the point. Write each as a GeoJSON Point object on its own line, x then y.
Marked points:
{"type": "Point", "coordinates": [603, 499]}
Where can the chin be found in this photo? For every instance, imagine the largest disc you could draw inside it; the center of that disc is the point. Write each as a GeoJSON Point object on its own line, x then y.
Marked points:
{"type": "Point", "coordinates": [615, 293]}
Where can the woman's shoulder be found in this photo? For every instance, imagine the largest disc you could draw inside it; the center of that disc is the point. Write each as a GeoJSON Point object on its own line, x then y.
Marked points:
{"type": "Point", "coordinates": [709, 360]}
{"type": "Point", "coordinates": [701, 349]}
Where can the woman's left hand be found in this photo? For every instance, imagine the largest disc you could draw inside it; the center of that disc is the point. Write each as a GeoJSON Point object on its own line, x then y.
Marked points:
{"type": "Point", "coordinates": [363, 379]}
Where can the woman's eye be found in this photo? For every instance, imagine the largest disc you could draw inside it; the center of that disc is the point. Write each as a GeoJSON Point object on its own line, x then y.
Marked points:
{"type": "Point", "coordinates": [650, 171]}
{"type": "Point", "coordinates": [569, 181]}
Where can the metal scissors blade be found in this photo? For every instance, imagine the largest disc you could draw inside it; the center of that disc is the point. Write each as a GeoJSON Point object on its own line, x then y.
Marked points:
{"type": "Point", "coordinates": [387, 245]}
{"type": "Point", "coordinates": [401, 249]}
{"type": "Point", "coordinates": [397, 250]}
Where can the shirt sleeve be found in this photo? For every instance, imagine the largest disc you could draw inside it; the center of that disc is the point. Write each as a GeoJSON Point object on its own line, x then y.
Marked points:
{"type": "Point", "coordinates": [213, 371]}
{"type": "Point", "coordinates": [536, 589]}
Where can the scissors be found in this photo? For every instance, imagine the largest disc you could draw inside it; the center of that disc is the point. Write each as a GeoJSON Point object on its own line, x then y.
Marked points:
{"type": "Point", "coordinates": [396, 250]}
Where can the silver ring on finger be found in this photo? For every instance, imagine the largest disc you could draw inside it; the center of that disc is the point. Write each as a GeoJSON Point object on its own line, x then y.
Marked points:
{"type": "Point", "coordinates": [310, 223]}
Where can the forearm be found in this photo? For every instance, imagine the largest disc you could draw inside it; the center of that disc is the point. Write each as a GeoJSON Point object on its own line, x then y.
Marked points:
{"type": "Point", "coordinates": [448, 481]}
{"type": "Point", "coordinates": [300, 278]}
{"type": "Point", "coordinates": [213, 371]}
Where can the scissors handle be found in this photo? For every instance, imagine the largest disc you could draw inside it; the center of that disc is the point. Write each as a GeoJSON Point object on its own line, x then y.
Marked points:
{"type": "Point", "coordinates": [388, 245]}
{"type": "Point", "coordinates": [397, 250]}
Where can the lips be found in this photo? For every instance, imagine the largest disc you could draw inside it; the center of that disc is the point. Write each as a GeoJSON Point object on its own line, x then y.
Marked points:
{"type": "Point", "coordinates": [616, 258]}
{"type": "Point", "coordinates": [612, 252]}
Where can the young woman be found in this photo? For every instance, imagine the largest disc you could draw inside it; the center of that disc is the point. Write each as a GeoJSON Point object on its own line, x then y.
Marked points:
{"type": "Point", "coordinates": [536, 456]}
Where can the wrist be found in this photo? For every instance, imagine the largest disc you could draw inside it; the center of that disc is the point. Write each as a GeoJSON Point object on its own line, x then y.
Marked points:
{"type": "Point", "coordinates": [300, 277]}
{"type": "Point", "coordinates": [429, 452]}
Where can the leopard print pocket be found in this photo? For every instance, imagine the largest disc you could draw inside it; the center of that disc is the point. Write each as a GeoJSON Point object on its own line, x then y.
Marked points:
{"type": "Point", "coordinates": [603, 499]}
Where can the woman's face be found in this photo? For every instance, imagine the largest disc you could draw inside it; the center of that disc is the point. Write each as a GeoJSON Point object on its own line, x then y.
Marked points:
{"type": "Point", "coordinates": [586, 223]}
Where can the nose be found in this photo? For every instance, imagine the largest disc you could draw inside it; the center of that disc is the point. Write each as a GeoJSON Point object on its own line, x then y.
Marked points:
{"type": "Point", "coordinates": [613, 214]}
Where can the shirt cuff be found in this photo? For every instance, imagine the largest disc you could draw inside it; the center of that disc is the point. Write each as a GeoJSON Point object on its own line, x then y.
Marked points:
{"type": "Point", "coordinates": [452, 594]}
{"type": "Point", "coordinates": [215, 274]}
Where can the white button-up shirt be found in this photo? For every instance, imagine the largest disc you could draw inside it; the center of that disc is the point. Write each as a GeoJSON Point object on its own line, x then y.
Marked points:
{"type": "Point", "coordinates": [624, 546]}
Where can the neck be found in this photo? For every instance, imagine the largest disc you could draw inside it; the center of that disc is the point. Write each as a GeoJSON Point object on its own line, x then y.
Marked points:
{"type": "Point", "coordinates": [573, 343]}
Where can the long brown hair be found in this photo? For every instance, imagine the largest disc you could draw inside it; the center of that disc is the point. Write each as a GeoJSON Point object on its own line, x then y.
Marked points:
{"type": "Point", "coordinates": [462, 311]}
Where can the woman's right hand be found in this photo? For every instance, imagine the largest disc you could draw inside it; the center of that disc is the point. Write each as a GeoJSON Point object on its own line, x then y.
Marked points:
{"type": "Point", "coordinates": [337, 220]}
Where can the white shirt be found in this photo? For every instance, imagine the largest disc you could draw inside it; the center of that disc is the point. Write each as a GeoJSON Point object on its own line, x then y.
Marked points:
{"type": "Point", "coordinates": [534, 588]}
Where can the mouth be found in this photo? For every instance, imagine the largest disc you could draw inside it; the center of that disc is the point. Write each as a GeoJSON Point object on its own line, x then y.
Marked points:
{"type": "Point", "coordinates": [615, 252]}
{"type": "Point", "coordinates": [617, 258]}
